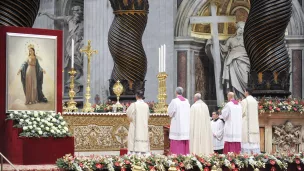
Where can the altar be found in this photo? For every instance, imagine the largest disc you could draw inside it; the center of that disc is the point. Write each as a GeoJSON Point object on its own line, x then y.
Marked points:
{"type": "Point", "coordinates": [109, 131]}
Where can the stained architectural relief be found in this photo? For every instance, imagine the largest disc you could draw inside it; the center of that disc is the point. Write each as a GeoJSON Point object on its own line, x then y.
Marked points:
{"type": "Point", "coordinates": [287, 138]}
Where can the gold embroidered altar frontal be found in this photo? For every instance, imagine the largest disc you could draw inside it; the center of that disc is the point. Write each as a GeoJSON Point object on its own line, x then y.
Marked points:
{"type": "Point", "coordinates": [109, 131]}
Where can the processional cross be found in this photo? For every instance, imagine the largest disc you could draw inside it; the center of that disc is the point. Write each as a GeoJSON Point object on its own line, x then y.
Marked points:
{"type": "Point", "coordinates": [89, 52]}
{"type": "Point", "coordinates": [214, 20]}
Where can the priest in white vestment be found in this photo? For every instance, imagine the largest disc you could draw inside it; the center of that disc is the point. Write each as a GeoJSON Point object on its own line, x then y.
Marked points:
{"type": "Point", "coordinates": [217, 127]}
{"type": "Point", "coordinates": [232, 115]}
{"type": "Point", "coordinates": [138, 137]}
{"type": "Point", "coordinates": [179, 111]}
{"type": "Point", "coordinates": [251, 130]}
{"type": "Point", "coordinates": [200, 128]}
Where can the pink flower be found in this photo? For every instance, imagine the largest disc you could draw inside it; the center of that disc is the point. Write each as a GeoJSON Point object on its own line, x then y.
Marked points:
{"type": "Point", "coordinates": [181, 164]}
{"type": "Point", "coordinates": [298, 161]}
{"type": "Point", "coordinates": [299, 167]}
{"type": "Point", "coordinates": [272, 162]}
{"type": "Point", "coordinates": [127, 162]}
{"type": "Point", "coordinates": [206, 169]}
{"type": "Point", "coordinates": [270, 107]}
{"type": "Point", "coordinates": [152, 168]}
{"type": "Point", "coordinates": [99, 166]}
{"type": "Point", "coordinates": [295, 109]}
{"type": "Point", "coordinates": [232, 166]}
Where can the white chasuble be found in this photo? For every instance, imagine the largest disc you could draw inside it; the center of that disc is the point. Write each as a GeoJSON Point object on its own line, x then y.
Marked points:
{"type": "Point", "coordinates": [179, 111]}
{"type": "Point", "coordinates": [200, 129]}
{"type": "Point", "coordinates": [217, 127]}
{"type": "Point", "coordinates": [232, 115]}
{"type": "Point", "coordinates": [251, 131]}
{"type": "Point", "coordinates": [138, 136]}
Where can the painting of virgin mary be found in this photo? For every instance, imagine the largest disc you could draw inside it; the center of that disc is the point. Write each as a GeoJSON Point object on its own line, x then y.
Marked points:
{"type": "Point", "coordinates": [32, 78]}
{"type": "Point", "coordinates": [31, 72]}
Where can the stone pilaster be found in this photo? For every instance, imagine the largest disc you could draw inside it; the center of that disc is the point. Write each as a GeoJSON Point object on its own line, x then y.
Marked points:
{"type": "Point", "coordinates": [42, 21]}
{"type": "Point", "coordinates": [98, 16]}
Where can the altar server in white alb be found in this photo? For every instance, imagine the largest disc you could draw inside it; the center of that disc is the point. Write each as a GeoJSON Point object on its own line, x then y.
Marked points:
{"type": "Point", "coordinates": [232, 115]}
{"type": "Point", "coordinates": [217, 126]}
{"type": "Point", "coordinates": [251, 131]}
{"type": "Point", "coordinates": [200, 128]}
{"type": "Point", "coordinates": [179, 111]}
{"type": "Point", "coordinates": [138, 137]}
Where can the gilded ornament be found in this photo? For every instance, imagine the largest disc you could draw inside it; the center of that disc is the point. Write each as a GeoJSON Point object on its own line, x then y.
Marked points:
{"type": "Point", "coordinates": [161, 106]}
{"type": "Point", "coordinates": [71, 104]}
{"type": "Point", "coordinates": [87, 108]}
{"type": "Point", "coordinates": [118, 90]}
{"type": "Point", "coordinates": [214, 168]}
{"type": "Point", "coordinates": [104, 132]}
{"type": "Point", "coordinates": [172, 168]}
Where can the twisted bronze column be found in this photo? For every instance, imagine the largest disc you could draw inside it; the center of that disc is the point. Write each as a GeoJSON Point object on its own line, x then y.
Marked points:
{"type": "Point", "coordinates": [125, 43]}
{"type": "Point", "coordinates": [18, 13]}
{"type": "Point", "coordinates": [264, 38]}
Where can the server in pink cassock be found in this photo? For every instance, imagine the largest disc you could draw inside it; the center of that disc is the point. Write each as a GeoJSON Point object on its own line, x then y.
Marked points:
{"type": "Point", "coordinates": [179, 111]}
{"type": "Point", "coordinates": [232, 115]}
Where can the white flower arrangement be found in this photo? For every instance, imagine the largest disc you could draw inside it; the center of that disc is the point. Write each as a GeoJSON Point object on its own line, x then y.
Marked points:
{"type": "Point", "coordinates": [39, 124]}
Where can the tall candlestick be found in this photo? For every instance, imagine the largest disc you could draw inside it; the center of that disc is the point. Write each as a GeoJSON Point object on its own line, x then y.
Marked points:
{"type": "Point", "coordinates": [164, 57]}
{"type": "Point", "coordinates": [72, 61]}
{"type": "Point", "coordinates": [159, 59]}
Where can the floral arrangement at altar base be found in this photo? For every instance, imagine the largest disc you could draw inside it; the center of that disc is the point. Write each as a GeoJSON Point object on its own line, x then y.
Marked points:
{"type": "Point", "coordinates": [231, 161]}
{"type": "Point", "coordinates": [110, 106]}
{"type": "Point", "coordinates": [277, 105]}
{"type": "Point", "coordinates": [39, 124]}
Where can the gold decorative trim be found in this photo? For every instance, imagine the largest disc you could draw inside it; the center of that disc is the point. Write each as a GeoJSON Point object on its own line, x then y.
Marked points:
{"type": "Point", "coordinates": [109, 132]}
{"type": "Point", "coordinates": [120, 12]}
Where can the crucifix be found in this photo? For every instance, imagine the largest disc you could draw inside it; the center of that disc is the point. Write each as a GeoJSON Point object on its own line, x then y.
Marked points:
{"type": "Point", "coordinates": [214, 20]}
{"type": "Point", "coordinates": [87, 107]}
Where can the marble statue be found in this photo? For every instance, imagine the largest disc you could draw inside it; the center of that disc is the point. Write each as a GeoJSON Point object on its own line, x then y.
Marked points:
{"type": "Point", "coordinates": [75, 25]}
{"type": "Point", "coordinates": [235, 62]}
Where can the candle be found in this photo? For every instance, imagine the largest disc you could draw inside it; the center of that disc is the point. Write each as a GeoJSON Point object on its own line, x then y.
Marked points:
{"type": "Point", "coordinates": [159, 59]}
{"type": "Point", "coordinates": [72, 61]}
{"type": "Point", "coordinates": [164, 57]}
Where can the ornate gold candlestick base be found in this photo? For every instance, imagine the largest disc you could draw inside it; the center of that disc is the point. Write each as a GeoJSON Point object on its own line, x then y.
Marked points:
{"type": "Point", "coordinates": [89, 52]}
{"type": "Point", "coordinates": [161, 106]}
{"type": "Point", "coordinates": [71, 104]}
